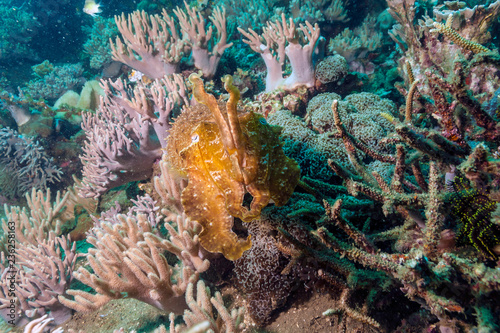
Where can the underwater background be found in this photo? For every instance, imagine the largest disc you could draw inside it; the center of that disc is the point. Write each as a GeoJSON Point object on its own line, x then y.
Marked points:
{"type": "Point", "coordinates": [249, 166]}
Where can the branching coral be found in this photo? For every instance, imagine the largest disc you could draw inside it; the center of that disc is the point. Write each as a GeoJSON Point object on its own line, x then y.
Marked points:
{"type": "Point", "coordinates": [24, 165]}
{"type": "Point", "coordinates": [42, 219]}
{"type": "Point", "coordinates": [44, 272]}
{"type": "Point", "coordinates": [448, 31]}
{"type": "Point", "coordinates": [267, 277]}
{"type": "Point", "coordinates": [127, 263]}
{"type": "Point", "coordinates": [456, 85]}
{"type": "Point", "coordinates": [193, 29]}
{"type": "Point", "coordinates": [276, 37]}
{"type": "Point", "coordinates": [153, 44]}
{"type": "Point", "coordinates": [168, 186]}
{"type": "Point", "coordinates": [426, 52]}
{"type": "Point", "coordinates": [184, 243]}
{"type": "Point", "coordinates": [39, 260]}
{"type": "Point", "coordinates": [429, 270]}
{"type": "Point", "coordinates": [39, 325]}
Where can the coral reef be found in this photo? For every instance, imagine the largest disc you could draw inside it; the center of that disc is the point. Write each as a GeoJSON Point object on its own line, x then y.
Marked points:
{"type": "Point", "coordinates": [357, 192]}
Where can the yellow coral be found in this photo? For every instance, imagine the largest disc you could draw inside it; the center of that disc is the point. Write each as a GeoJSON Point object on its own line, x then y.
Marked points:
{"type": "Point", "coordinates": [449, 32]}
{"type": "Point", "coordinates": [226, 155]}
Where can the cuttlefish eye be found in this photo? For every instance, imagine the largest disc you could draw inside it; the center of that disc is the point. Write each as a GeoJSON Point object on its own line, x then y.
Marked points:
{"type": "Point", "coordinates": [195, 138]}
{"type": "Point", "coordinates": [263, 121]}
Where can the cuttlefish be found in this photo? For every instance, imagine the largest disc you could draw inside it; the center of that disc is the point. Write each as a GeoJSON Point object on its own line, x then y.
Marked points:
{"type": "Point", "coordinates": [226, 155]}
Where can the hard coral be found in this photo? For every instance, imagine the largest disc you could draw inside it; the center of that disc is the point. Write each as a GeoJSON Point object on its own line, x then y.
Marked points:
{"type": "Point", "coordinates": [226, 155]}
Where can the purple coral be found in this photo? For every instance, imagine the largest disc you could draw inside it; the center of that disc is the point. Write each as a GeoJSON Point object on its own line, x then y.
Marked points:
{"type": "Point", "coordinates": [42, 274]}
{"type": "Point", "coordinates": [259, 274]}
{"type": "Point", "coordinates": [24, 165]}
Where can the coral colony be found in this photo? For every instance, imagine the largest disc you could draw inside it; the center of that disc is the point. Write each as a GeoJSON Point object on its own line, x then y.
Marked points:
{"type": "Point", "coordinates": [246, 166]}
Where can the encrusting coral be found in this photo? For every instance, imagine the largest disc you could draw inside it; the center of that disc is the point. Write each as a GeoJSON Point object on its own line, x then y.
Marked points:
{"type": "Point", "coordinates": [226, 155]}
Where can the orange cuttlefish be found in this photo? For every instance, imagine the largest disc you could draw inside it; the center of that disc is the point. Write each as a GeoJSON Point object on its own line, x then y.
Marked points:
{"type": "Point", "coordinates": [225, 155]}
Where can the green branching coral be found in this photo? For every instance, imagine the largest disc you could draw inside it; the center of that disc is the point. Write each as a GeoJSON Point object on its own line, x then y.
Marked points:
{"type": "Point", "coordinates": [473, 208]}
